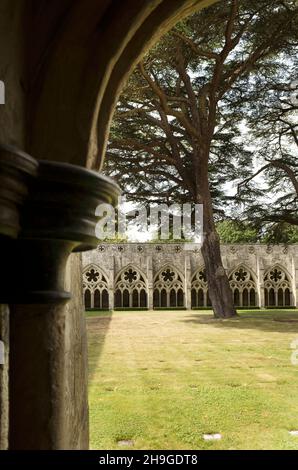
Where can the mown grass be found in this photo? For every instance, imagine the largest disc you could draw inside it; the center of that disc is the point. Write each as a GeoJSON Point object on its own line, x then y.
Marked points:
{"type": "Point", "coordinates": [163, 379]}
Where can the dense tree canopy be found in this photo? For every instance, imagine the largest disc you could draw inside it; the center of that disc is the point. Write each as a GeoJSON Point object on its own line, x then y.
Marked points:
{"type": "Point", "coordinates": [273, 200]}
{"type": "Point", "coordinates": [179, 125]}
{"type": "Point", "coordinates": [237, 231]}
{"type": "Point", "coordinates": [154, 135]}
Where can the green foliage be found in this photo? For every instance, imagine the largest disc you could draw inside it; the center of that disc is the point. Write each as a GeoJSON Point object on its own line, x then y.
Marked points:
{"type": "Point", "coordinates": [233, 231]}
{"type": "Point", "coordinates": [200, 89]}
{"type": "Point", "coordinates": [281, 233]}
{"type": "Point", "coordinates": [237, 231]}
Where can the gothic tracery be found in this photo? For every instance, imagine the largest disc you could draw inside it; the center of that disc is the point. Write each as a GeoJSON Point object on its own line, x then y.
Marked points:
{"type": "Point", "coordinates": [168, 288]}
{"type": "Point", "coordinates": [277, 288]}
{"type": "Point", "coordinates": [244, 287]}
{"type": "Point", "coordinates": [199, 289]}
{"type": "Point", "coordinates": [130, 288]}
{"type": "Point", "coordinates": [160, 276]}
{"type": "Point", "coordinates": [95, 288]}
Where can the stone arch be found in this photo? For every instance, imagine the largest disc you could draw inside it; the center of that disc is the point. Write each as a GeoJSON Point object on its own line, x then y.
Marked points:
{"type": "Point", "coordinates": [95, 288]}
{"type": "Point", "coordinates": [168, 288]}
{"type": "Point", "coordinates": [78, 71]}
{"type": "Point", "coordinates": [131, 288]}
{"type": "Point", "coordinates": [243, 283]}
{"type": "Point", "coordinates": [72, 65]}
{"type": "Point", "coordinates": [199, 289]}
{"type": "Point", "coordinates": [277, 287]}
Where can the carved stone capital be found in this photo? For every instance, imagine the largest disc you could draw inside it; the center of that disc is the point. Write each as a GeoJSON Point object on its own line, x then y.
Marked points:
{"type": "Point", "coordinates": [62, 202]}
{"type": "Point", "coordinates": [57, 218]}
{"type": "Point", "coordinates": [16, 170]}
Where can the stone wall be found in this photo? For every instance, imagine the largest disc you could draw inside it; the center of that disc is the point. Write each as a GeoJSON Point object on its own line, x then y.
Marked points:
{"type": "Point", "coordinates": [12, 131]}
{"type": "Point", "coordinates": [249, 267]}
{"type": "Point", "coordinates": [76, 364]}
{"type": "Point", "coordinates": [4, 336]}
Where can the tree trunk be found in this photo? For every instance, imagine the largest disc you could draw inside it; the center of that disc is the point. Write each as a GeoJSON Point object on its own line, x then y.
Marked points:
{"type": "Point", "coordinates": [220, 292]}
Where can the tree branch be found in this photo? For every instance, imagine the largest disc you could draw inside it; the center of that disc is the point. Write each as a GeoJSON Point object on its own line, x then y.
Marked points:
{"type": "Point", "coordinates": [276, 164]}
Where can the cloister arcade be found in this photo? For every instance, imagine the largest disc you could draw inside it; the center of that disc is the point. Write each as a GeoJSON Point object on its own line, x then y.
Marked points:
{"type": "Point", "coordinates": [130, 288]}
{"type": "Point", "coordinates": [64, 65]}
{"type": "Point", "coordinates": [166, 276]}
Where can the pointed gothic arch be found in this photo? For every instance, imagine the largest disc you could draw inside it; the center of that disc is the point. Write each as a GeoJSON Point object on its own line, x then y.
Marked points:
{"type": "Point", "coordinates": [131, 288]}
{"type": "Point", "coordinates": [95, 288]}
{"type": "Point", "coordinates": [169, 288]}
{"type": "Point", "coordinates": [244, 286]}
{"type": "Point", "coordinates": [277, 287]}
{"type": "Point", "coordinates": [199, 289]}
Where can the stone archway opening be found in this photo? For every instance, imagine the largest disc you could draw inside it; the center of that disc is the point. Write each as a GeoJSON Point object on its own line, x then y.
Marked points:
{"type": "Point", "coordinates": [168, 288]}
{"type": "Point", "coordinates": [244, 287]}
{"type": "Point", "coordinates": [277, 285]}
{"type": "Point", "coordinates": [130, 289]}
{"type": "Point", "coordinates": [65, 78]}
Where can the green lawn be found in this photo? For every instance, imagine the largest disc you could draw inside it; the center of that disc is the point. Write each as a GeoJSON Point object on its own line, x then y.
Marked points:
{"type": "Point", "coordinates": [162, 379]}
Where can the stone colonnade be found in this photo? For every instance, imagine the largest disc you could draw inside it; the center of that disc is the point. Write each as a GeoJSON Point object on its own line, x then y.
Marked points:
{"type": "Point", "coordinates": [152, 275]}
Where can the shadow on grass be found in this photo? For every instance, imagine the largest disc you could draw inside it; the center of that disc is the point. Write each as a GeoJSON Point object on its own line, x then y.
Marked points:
{"type": "Point", "coordinates": [282, 321]}
{"type": "Point", "coordinates": [98, 324]}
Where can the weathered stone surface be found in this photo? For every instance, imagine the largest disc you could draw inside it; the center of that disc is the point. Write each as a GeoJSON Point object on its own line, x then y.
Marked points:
{"type": "Point", "coordinates": [37, 377]}
{"type": "Point", "coordinates": [76, 364]}
{"type": "Point", "coordinates": [48, 340]}
{"type": "Point", "coordinates": [12, 131]}
{"type": "Point", "coordinates": [48, 345]}
{"type": "Point", "coordinates": [64, 65]}
{"type": "Point", "coordinates": [85, 65]}
{"type": "Point", "coordinates": [12, 52]}
{"type": "Point", "coordinates": [4, 336]}
{"type": "Point", "coordinates": [246, 265]}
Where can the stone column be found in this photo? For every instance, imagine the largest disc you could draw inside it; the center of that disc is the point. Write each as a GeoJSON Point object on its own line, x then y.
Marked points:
{"type": "Point", "coordinates": [76, 359]}
{"type": "Point", "coordinates": [4, 368]}
{"type": "Point", "coordinates": [48, 381]}
{"type": "Point", "coordinates": [49, 371]}
{"type": "Point", "coordinates": [260, 283]}
{"type": "Point", "coordinates": [111, 275]}
{"type": "Point", "coordinates": [16, 170]}
{"type": "Point", "coordinates": [150, 280]}
{"type": "Point", "coordinates": [187, 282]}
{"type": "Point", "coordinates": [12, 131]}
{"type": "Point", "coordinates": [295, 280]}
{"type": "Point", "coordinates": [111, 299]}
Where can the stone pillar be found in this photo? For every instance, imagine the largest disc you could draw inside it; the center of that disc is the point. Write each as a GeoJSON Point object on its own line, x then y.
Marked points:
{"type": "Point", "coordinates": [76, 359]}
{"type": "Point", "coordinates": [150, 278]}
{"type": "Point", "coordinates": [187, 282]}
{"type": "Point", "coordinates": [16, 169]}
{"type": "Point", "coordinates": [4, 368]}
{"type": "Point", "coordinates": [12, 131]}
{"type": "Point", "coordinates": [48, 365]}
{"type": "Point", "coordinates": [295, 280]}
{"type": "Point", "coordinates": [39, 410]}
{"type": "Point", "coordinates": [261, 296]}
{"type": "Point", "coordinates": [49, 371]}
{"type": "Point", "coordinates": [260, 283]}
{"type": "Point", "coordinates": [111, 299]}
{"type": "Point", "coordinates": [111, 281]}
